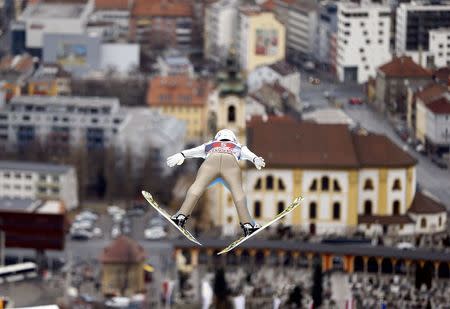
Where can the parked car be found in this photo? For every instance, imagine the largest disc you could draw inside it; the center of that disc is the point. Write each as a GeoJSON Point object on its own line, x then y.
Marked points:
{"type": "Point", "coordinates": [405, 246]}
{"type": "Point", "coordinates": [355, 101]}
{"type": "Point", "coordinates": [155, 232]}
{"type": "Point", "coordinates": [420, 148]}
{"type": "Point", "coordinates": [112, 210]}
{"type": "Point", "coordinates": [84, 224]}
{"type": "Point", "coordinates": [80, 234]}
{"type": "Point", "coordinates": [115, 231]}
{"type": "Point", "coordinates": [87, 214]}
{"type": "Point", "coordinates": [440, 162]}
{"type": "Point", "coordinates": [97, 232]}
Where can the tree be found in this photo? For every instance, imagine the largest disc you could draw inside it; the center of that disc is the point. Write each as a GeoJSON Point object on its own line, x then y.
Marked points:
{"type": "Point", "coordinates": [221, 290]}
{"type": "Point", "coordinates": [317, 285]}
{"type": "Point", "coordinates": [110, 174]}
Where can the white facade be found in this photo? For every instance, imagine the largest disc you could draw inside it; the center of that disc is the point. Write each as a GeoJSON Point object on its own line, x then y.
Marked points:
{"type": "Point", "coordinates": [123, 57]}
{"type": "Point", "coordinates": [439, 47]}
{"type": "Point", "coordinates": [221, 26]}
{"type": "Point", "coordinates": [91, 122]}
{"type": "Point", "coordinates": [301, 30]}
{"type": "Point", "coordinates": [119, 17]}
{"type": "Point", "coordinates": [430, 223]}
{"type": "Point", "coordinates": [34, 180]}
{"type": "Point", "coordinates": [41, 18]}
{"type": "Point", "coordinates": [423, 19]}
{"type": "Point", "coordinates": [362, 40]}
{"type": "Point", "coordinates": [434, 127]}
{"type": "Point", "coordinates": [266, 74]}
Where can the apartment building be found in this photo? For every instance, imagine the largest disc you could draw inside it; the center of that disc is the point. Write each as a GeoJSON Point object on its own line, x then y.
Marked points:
{"type": "Point", "coordinates": [39, 181]}
{"type": "Point", "coordinates": [413, 22]}
{"type": "Point", "coordinates": [362, 40]}
{"type": "Point", "coordinates": [439, 47]}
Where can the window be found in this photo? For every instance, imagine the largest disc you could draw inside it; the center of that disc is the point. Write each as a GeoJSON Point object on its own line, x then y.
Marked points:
{"type": "Point", "coordinates": [312, 210]}
{"type": "Point", "coordinates": [325, 183]}
{"type": "Point", "coordinates": [380, 41]}
{"type": "Point", "coordinates": [336, 210]}
{"type": "Point", "coordinates": [366, 68]}
{"type": "Point", "coordinates": [280, 207]}
{"type": "Point", "coordinates": [257, 209]}
{"type": "Point", "coordinates": [55, 178]}
{"type": "Point", "coordinates": [368, 207]}
{"type": "Point", "coordinates": [42, 177]}
{"type": "Point", "coordinates": [55, 190]}
{"type": "Point", "coordinates": [396, 186]}
{"type": "Point", "coordinates": [396, 208]}
{"type": "Point", "coordinates": [269, 182]}
{"type": "Point", "coordinates": [423, 223]}
{"type": "Point", "coordinates": [28, 188]}
{"type": "Point", "coordinates": [365, 32]}
{"type": "Point", "coordinates": [17, 176]}
{"type": "Point", "coordinates": [258, 184]}
{"type": "Point", "coordinates": [362, 24]}
{"type": "Point", "coordinates": [367, 41]}
{"type": "Point", "coordinates": [6, 175]}
{"type": "Point", "coordinates": [28, 176]}
{"type": "Point", "coordinates": [313, 186]}
{"type": "Point", "coordinates": [281, 186]}
{"type": "Point", "coordinates": [336, 186]}
{"type": "Point", "coordinates": [440, 221]}
{"type": "Point", "coordinates": [361, 50]}
{"type": "Point", "coordinates": [368, 185]}
{"type": "Point", "coordinates": [231, 113]}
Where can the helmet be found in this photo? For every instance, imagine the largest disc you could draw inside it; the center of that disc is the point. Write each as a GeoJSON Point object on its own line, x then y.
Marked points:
{"type": "Point", "coordinates": [225, 134]}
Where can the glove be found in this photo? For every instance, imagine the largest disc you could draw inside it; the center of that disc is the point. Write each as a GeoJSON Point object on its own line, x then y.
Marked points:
{"type": "Point", "coordinates": [259, 162]}
{"type": "Point", "coordinates": [176, 159]}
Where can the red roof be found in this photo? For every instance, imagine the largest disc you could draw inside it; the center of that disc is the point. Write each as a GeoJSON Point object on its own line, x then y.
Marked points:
{"type": "Point", "coordinates": [123, 250]}
{"type": "Point", "coordinates": [112, 4]}
{"type": "Point", "coordinates": [287, 143]}
{"type": "Point", "coordinates": [431, 92]}
{"type": "Point", "coordinates": [162, 8]}
{"type": "Point", "coordinates": [424, 204]}
{"type": "Point", "coordinates": [439, 106]}
{"type": "Point", "coordinates": [404, 67]}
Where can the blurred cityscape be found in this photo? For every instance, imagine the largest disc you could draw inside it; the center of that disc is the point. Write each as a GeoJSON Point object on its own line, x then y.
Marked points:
{"type": "Point", "coordinates": [348, 102]}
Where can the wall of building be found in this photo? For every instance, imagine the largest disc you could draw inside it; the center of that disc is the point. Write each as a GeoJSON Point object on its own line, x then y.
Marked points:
{"type": "Point", "coordinates": [254, 49]}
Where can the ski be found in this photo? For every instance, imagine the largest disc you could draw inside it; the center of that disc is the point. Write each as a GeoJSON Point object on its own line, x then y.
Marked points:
{"type": "Point", "coordinates": [155, 205]}
{"type": "Point", "coordinates": [239, 241]}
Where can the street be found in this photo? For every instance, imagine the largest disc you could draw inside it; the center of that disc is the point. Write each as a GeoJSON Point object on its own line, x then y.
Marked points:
{"type": "Point", "coordinates": [429, 176]}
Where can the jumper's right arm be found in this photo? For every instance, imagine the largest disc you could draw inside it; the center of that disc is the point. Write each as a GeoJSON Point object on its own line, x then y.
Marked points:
{"type": "Point", "coordinates": [178, 158]}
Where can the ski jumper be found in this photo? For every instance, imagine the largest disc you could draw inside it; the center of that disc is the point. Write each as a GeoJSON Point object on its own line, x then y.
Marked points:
{"type": "Point", "coordinates": [221, 160]}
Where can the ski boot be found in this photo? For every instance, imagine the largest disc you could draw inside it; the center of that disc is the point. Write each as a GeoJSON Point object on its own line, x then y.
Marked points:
{"type": "Point", "coordinates": [179, 220]}
{"type": "Point", "coordinates": [249, 229]}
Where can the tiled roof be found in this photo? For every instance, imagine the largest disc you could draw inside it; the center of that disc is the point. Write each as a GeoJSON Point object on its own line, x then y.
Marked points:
{"type": "Point", "coordinates": [376, 219]}
{"type": "Point", "coordinates": [123, 250]}
{"type": "Point", "coordinates": [430, 92]}
{"type": "Point", "coordinates": [163, 8]}
{"type": "Point", "coordinates": [287, 143]}
{"type": "Point", "coordinates": [112, 4]}
{"type": "Point", "coordinates": [424, 204]}
{"type": "Point", "coordinates": [374, 150]}
{"type": "Point", "coordinates": [404, 67]}
{"type": "Point", "coordinates": [283, 68]}
{"type": "Point", "coordinates": [177, 90]}
{"type": "Point", "coordinates": [19, 63]}
{"type": "Point", "coordinates": [439, 106]}
{"type": "Point", "coordinates": [443, 74]}
{"type": "Point", "coordinates": [274, 96]}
